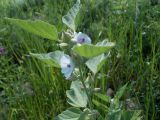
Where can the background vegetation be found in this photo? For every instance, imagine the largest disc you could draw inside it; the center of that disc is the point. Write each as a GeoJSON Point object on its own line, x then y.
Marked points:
{"type": "Point", "coordinates": [31, 91]}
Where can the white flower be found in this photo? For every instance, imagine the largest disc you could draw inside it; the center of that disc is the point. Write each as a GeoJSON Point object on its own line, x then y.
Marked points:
{"type": "Point", "coordinates": [67, 66]}
{"type": "Point", "coordinates": [81, 38]}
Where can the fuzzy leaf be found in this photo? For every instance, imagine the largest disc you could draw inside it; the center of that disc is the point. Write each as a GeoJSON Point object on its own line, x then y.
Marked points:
{"type": "Point", "coordinates": [89, 50]}
{"type": "Point", "coordinates": [77, 96]}
{"type": "Point", "coordinates": [36, 27]}
{"type": "Point", "coordinates": [69, 19]}
{"type": "Point", "coordinates": [52, 59]}
{"type": "Point", "coordinates": [70, 114]}
{"type": "Point", "coordinates": [95, 64]}
{"type": "Point", "coordinates": [73, 113]}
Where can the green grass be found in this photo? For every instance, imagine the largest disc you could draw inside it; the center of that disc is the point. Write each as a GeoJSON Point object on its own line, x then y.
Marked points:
{"type": "Point", "coordinates": [29, 90]}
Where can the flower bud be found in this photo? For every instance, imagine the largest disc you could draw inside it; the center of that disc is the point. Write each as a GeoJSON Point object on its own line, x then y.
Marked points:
{"type": "Point", "coordinates": [97, 89]}
{"type": "Point", "coordinates": [63, 44]}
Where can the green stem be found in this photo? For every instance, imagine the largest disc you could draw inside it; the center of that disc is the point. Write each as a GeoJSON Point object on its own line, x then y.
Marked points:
{"type": "Point", "coordinates": [85, 88]}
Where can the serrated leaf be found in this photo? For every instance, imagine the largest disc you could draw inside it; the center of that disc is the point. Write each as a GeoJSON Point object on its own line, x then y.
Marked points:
{"type": "Point", "coordinates": [69, 19]}
{"type": "Point", "coordinates": [52, 59]}
{"type": "Point", "coordinates": [95, 64]}
{"type": "Point", "coordinates": [36, 27]}
{"type": "Point", "coordinates": [77, 96]}
{"type": "Point", "coordinates": [89, 50]}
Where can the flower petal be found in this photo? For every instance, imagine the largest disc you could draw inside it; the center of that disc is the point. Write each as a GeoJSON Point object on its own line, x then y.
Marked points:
{"type": "Point", "coordinates": [67, 66]}
{"type": "Point", "coordinates": [81, 38]}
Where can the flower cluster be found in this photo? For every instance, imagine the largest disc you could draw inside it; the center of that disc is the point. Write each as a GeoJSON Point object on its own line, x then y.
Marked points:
{"type": "Point", "coordinates": [66, 63]}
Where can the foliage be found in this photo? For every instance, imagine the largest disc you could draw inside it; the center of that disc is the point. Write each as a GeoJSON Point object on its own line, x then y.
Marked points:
{"type": "Point", "coordinates": [132, 25]}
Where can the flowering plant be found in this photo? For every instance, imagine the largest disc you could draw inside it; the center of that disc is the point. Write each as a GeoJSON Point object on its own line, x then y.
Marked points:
{"type": "Point", "coordinates": [73, 58]}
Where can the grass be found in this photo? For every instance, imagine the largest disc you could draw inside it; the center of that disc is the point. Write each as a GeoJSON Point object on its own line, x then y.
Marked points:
{"type": "Point", "coordinates": [29, 90]}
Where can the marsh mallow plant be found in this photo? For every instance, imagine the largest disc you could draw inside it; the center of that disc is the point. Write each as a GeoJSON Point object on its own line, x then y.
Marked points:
{"type": "Point", "coordinates": [79, 61]}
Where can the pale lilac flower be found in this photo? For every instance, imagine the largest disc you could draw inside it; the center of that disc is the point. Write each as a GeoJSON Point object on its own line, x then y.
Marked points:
{"type": "Point", "coordinates": [81, 38]}
{"type": "Point", "coordinates": [67, 66]}
{"type": "Point", "coordinates": [2, 50]}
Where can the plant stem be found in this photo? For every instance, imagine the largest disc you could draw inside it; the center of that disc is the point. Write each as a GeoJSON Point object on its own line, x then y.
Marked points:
{"type": "Point", "coordinates": [85, 88]}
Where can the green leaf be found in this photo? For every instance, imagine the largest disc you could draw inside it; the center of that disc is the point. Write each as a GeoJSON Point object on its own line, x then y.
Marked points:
{"type": "Point", "coordinates": [118, 95]}
{"type": "Point", "coordinates": [100, 118]}
{"type": "Point", "coordinates": [89, 50]}
{"type": "Point", "coordinates": [100, 105]}
{"type": "Point", "coordinates": [73, 114]}
{"type": "Point", "coordinates": [120, 5]}
{"type": "Point", "coordinates": [103, 97]}
{"type": "Point", "coordinates": [124, 115]}
{"type": "Point", "coordinates": [114, 115]}
{"type": "Point", "coordinates": [52, 59]}
{"type": "Point", "coordinates": [84, 116]}
{"type": "Point", "coordinates": [36, 27]}
{"type": "Point", "coordinates": [120, 92]}
{"type": "Point", "coordinates": [77, 96]}
{"type": "Point", "coordinates": [70, 114]}
{"type": "Point", "coordinates": [131, 115]}
{"type": "Point", "coordinates": [95, 64]}
{"type": "Point", "coordinates": [69, 19]}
